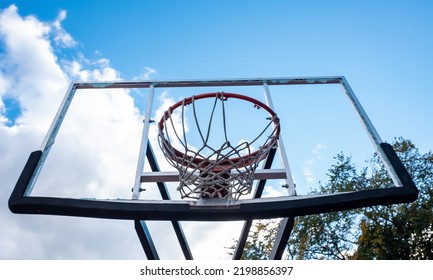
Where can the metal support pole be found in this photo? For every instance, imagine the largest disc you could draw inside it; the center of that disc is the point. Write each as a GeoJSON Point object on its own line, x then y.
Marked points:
{"type": "Point", "coordinates": [51, 135]}
{"type": "Point", "coordinates": [282, 238]}
{"type": "Point", "coordinates": [289, 180]}
{"type": "Point", "coordinates": [287, 223]}
{"type": "Point", "coordinates": [166, 196]}
{"type": "Point", "coordinates": [371, 131]}
{"type": "Point", "coordinates": [143, 145]}
{"type": "Point", "coordinates": [242, 241]}
{"type": "Point", "coordinates": [146, 240]}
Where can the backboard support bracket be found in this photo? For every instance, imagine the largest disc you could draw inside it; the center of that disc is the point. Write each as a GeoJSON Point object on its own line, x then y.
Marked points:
{"type": "Point", "coordinates": [263, 208]}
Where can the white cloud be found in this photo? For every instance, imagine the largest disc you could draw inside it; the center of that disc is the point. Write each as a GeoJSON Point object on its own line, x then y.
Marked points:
{"type": "Point", "coordinates": [3, 89]}
{"type": "Point", "coordinates": [61, 37]}
{"type": "Point", "coordinates": [87, 70]}
{"type": "Point", "coordinates": [32, 75]}
{"type": "Point", "coordinates": [318, 149]}
{"type": "Point", "coordinates": [30, 67]}
{"type": "Point", "coordinates": [308, 168]}
{"type": "Point", "coordinates": [94, 155]}
{"type": "Point", "coordinates": [149, 72]}
{"type": "Point", "coordinates": [274, 191]}
{"type": "Point", "coordinates": [308, 172]}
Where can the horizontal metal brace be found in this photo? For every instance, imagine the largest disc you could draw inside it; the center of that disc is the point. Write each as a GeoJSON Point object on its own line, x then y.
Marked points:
{"type": "Point", "coordinates": [261, 174]}
{"type": "Point", "coordinates": [211, 83]}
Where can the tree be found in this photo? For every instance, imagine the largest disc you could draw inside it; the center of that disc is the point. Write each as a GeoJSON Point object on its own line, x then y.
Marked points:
{"type": "Point", "coordinates": [403, 231]}
{"type": "Point", "coordinates": [260, 240]}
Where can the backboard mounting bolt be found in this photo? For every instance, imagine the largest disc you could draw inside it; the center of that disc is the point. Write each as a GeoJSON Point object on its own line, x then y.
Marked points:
{"type": "Point", "coordinates": [139, 189]}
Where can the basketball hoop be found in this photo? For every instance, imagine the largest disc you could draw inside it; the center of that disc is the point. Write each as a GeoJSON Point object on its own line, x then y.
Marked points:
{"type": "Point", "coordinates": [212, 169]}
{"type": "Point", "coordinates": [225, 170]}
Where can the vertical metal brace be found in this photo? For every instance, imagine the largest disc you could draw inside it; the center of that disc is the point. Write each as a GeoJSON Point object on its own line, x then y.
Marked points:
{"type": "Point", "coordinates": [242, 241]}
{"type": "Point", "coordinates": [51, 135]}
{"type": "Point", "coordinates": [146, 240]}
{"type": "Point", "coordinates": [166, 196]}
{"type": "Point", "coordinates": [282, 238]}
{"type": "Point", "coordinates": [286, 225]}
{"type": "Point", "coordinates": [281, 149]}
{"type": "Point", "coordinates": [140, 226]}
{"type": "Point", "coordinates": [143, 145]}
{"type": "Point", "coordinates": [371, 131]}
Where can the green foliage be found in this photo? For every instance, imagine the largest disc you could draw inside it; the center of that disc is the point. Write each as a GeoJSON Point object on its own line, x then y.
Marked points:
{"type": "Point", "coordinates": [331, 235]}
{"type": "Point", "coordinates": [260, 240]}
{"type": "Point", "coordinates": [403, 231]}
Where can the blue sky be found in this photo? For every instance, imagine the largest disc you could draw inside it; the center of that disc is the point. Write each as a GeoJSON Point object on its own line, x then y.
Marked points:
{"type": "Point", "coordinates": [186, 39]}
{"type": "Point", "coordinates": [383, 48]}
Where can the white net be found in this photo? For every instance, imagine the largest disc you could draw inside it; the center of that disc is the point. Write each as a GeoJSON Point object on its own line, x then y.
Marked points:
{"type": "Point", "coordinates": [214, 170]}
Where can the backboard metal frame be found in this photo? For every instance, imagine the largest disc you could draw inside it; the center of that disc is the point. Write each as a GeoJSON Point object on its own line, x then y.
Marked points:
{"type": "Point", "coordinates": [21, 200]}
